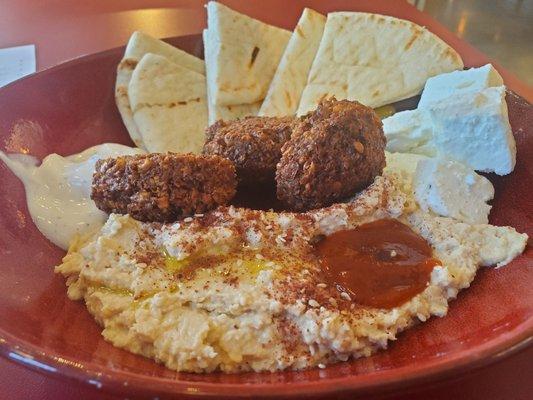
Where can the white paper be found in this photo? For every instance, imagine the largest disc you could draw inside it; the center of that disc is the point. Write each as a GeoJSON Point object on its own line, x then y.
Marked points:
{"type": "Point", "coordinates": [16, 62]}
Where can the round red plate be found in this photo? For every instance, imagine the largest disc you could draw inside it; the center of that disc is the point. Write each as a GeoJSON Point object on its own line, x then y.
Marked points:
{"type": "Point", "coordinates": [71, 107]}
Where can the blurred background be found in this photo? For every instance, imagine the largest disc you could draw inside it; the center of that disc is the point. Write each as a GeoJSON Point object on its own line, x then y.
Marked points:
{"type": "Point", "coordinates": [502, 29]}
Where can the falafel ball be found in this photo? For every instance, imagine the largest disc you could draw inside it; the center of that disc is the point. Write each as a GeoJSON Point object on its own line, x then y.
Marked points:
{"type": "Point", "coordinates": [252, 143]}
{"type": "Point", "coordinates": [335, 151]}
{"type": "Point", "coordinates": [162, 187]}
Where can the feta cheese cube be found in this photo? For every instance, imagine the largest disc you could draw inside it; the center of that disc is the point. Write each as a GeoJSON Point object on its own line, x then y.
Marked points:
{"type": "Point", "coordinates": [474, 128]}
{"type": "Point", "coordinates": [409, 132]}
{"type": "Point", "coordinates": [451, 189]}
{"type": "Point", "coordinates": [440, 87]}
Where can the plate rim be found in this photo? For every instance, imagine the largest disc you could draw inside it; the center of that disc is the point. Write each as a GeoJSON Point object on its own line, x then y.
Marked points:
{"type": "Point", "coordinates": [32, 357]}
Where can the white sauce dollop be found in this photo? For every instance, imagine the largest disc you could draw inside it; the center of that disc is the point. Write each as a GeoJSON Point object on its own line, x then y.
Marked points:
{"type": "Point", "coordinates": [58, 192]}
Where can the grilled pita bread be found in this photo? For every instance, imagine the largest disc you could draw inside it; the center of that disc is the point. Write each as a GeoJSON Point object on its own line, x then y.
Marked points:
{"type": "Point", "coordinates": [242, 56]}
{"type": "Point", "coordinates": [374, 59]}
{"type": "Point", "coordinates": [169, 105]}
{"type": "Point", "coordinates": [217, 112]}
{"type": "Point", "coordinates": [138, 45]}
{"type": "Point", "coordinates": [290, 78]}
{"type": "Point", "coordinates": [229, 113]}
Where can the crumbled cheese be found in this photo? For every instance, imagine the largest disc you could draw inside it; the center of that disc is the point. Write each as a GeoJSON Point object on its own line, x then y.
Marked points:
{"type": "Point", "coordinates": [451, 189]}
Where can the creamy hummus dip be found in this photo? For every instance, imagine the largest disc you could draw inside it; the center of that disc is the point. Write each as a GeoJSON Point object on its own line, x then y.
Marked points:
{"type": "Point", "coordinates": [242, 290]}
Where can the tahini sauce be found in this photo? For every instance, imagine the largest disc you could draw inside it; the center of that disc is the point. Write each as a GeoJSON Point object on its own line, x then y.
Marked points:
{"type": "Point", "coordinates": [58, 192]}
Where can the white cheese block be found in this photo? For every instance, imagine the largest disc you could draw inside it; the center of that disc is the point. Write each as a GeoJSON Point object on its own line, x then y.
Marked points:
{"type": "Point", "coordinates": [452, 189]}
{"type": "Point", "coordinates": [474, 128]}
{"type": "Point", "coordinates": [409, 132]}
{"type": "Point", "coordinates": [443, 86]}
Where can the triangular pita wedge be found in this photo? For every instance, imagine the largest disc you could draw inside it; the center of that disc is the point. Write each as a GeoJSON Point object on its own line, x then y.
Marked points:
{"type": "Point", "coordinates": [217, 112]}
{"type": "Point", "coordinates": [124, 71]}
{"type": "Point", "coordinates": [244, 52]}
{"type": "Point", "coordinates": [290, 78]}
{"type": "Point", "coordinates": [374, 59]}
{"type": "Point", "coordinates": [169, 105]}
{"type": "Point", "coordinates": [138, 45]}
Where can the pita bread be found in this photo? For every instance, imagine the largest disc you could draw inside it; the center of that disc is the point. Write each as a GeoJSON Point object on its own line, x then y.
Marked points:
{"type": "Point", "coordinates": [244, 54]}
{"type": "Point", "coordinates": [374, 59]}
{"type": "Point", "coordinates": [229, 113]}
{"type": "Point", "coordinates": [138, 45]}
{"type": "Point", "coordinates": [226, 113]}
{"type": "Point", "coordinates": [169, 105]}
{"type": "Point", "coordinates": [290, 78]}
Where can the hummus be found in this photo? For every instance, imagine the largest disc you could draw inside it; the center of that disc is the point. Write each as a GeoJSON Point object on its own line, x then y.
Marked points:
{"type": "Point", "coordinates": [239, 290]}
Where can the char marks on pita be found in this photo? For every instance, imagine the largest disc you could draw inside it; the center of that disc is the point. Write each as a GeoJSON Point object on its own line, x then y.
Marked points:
{"type": "Point", "coordinates": [216, 111]}
{"type": "Point", "coordinates": [242, 55]}
{"type": "Point", "coordinates": [140, 44]}
{"type": "Point", "coordinates": [290, 78]}
{"type": "Point", "coordinates": [374, 59]}
{"type": "Point", "coordinates": [169, 105]}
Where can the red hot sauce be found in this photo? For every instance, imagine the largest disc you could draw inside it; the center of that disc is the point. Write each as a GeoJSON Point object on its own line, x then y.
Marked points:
{"type": "Point", "coordinates": [381, 264]}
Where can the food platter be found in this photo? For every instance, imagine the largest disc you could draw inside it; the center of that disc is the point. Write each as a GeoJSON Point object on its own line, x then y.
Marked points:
{"type": "Point", "coordinates": [71, 107]}
{"type": "Point", "coordinates": [478, 330]}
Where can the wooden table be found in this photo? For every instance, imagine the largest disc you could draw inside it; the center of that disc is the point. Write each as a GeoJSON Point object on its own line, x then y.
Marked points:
{"type": "Point", "coordinates": [63, 29]}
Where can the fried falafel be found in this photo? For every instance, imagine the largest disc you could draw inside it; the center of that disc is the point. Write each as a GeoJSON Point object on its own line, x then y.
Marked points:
{"type": "Point", "coordinates": [334, 151]}
{"type": "Point", "coordinates": [252, 143]}
{"type": "Point", "coordinates": [162, 187]}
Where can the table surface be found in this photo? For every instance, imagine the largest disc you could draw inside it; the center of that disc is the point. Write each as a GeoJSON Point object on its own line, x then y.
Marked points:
{"type": "Point", "coordinates": [63, 29]}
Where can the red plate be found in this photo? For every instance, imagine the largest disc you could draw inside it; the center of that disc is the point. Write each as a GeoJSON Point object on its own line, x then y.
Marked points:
{"type": "Point", "coordinates": [70, 107]}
